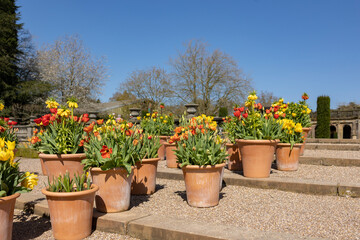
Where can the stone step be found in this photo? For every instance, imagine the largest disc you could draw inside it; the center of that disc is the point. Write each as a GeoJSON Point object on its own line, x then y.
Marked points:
{"type": "Point", "coordinates": [306, 186]}
{"type": "Point", "coordinates": [146, 226]}
{"type": "Point", "coordinates": [333, 141]}
{"type": "Point", "coordinates": [326, 161]}
{"type": "Point", "coordinates": [339, 147]}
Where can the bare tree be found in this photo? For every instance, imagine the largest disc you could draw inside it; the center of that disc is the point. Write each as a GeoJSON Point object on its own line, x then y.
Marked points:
{"type": "Point", "coordinates": [267, 98]}
{"type": "Point", "coordinates": [69, 66]}
{"type": "Point", "coordinates": [211, 79]}
{"type": "Point", "coordinates": [152, 84]}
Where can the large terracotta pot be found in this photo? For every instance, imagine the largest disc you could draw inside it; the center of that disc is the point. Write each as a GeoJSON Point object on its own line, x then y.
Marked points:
{"type": "Point", "coordinates": [287, 159]}
{"type": "Point", "coordinates": [171, 159]}
{"type": "Point", "coordinates": [7, 205]}
{"type": "Point", "coordinates": [257, 157]}
{"type": "Point", "coordinates": [202, 184]}
{"type": "Point", "coordinates": [115, 189]}
{"type": "Point", "coordinates": [71, 213]}
{"type": "Point", "coordinates": [56, 164]}
{"type": "Point", "coordinates": [161, 151]}
{"type": "Point", "coordinates": [305, 134]}
{"type": "Point", "coordinates": [144, 178]}
{"type": "Point", "coordinates": [234, 158]}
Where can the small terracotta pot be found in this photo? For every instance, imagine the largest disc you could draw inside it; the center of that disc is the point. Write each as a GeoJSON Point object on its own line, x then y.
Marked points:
{"type": "Point", "coordinates": [257, 157]}
{"type": "Point", "coordinates": [71, 213]}
{"type": "Point", "coordinates": [161, 151]}
{"type": "Point", "coordinates": [7, 205]}
{"type": "Point", "coordinates": [171, 159]}
{"type": "Point", "coordinates": [144, 178]}
{"type": "Point", "coordinates": [115, 189]}
{"type": "Point", "coordinates": [56, 164]}
{"type": "Point", "coordinates": [305, 134]}
{"type": "Point", "coordinates": [234, 160]}
{"type": "Point", "coordinates": [202, 184]}
{"type": "Point", "coordinates": [286, 159]}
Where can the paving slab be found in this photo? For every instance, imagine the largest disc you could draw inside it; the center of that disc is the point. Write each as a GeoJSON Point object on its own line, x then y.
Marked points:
{"type": "Point", "coordinates": [291, 185]}
{"type": "Point", "coordinates": [146, 226]}
{"type": "Point", "coordinates": [326, 161]}
{"type": "Point", "coordinates": [155, 227]}
{"type": "Point", "coordinates": [337, 147]}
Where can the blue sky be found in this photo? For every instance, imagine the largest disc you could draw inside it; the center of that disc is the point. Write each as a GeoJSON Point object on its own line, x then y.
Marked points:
{"type": "Point", "coordinates": [287, 47]}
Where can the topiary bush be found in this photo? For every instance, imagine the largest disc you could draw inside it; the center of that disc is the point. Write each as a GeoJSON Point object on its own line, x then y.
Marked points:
{"type": "Point", "coordinates": [323, 117]}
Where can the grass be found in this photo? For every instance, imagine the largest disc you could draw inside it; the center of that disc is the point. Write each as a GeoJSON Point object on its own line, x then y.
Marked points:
{"type": "Point", "coordinates": [26, 152]}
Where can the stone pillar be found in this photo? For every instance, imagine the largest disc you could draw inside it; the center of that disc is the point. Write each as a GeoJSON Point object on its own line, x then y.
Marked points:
{"type": "Point", "coordinates": [134, 112]}
{"type": "Point", "coordinates": [353, 130]}
{"type": "Point", "coordinates": [191, 110]}
{"type": "Point", "coordinates": [341, 131]}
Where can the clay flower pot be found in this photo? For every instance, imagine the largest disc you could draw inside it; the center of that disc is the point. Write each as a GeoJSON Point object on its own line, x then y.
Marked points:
{"type": "Point", "coordinates": [202, 184]}
{"type": "Point", "coordinates": [234, 160]}
{"type": "Point", "coordinates": [7, 205]}
{"type": "Point", "coordinates": [171, 159]}
{"type": "Point", "coordinates": [257, 157]}
{"type": "Point", "coordinates": [56, 164]}
{"type": "Point", "coordinates": [286, 159]}
{"type": "Point", "coordinates": [306, 132]}
{"type": "Point", "coordinates": [114, 189]}
{"type": "Point", "coordinates": [71, 213]}
{"type": "Point", "coordinates": [161, 151]}
{"type": "Point", "coordinates": [144, 178]}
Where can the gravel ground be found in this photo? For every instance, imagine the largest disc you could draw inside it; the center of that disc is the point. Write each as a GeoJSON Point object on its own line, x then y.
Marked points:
{"type": "Point", "coordinates": [350, 175]}
{"type": "Point", "coordinates": [28, 226]}
{"type": "Point", "coordinates": [332, 154]}
{"type": "Point", "coordinates": [272, 210]}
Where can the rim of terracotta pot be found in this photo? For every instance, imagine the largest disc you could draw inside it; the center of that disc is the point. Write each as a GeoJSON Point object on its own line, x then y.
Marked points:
{"type": "Point", "coordinates": [94, 188]}
{"type": "Point", "coordinates": [164, 136]}
{"type": "Point", "coordinates": [306, 129]}
{"type": "Point", "coordinates": [169, 144]}
{"type": "Point", "coordinates": [119, 169]}
{"type": "Point", "coordinates": [15, 195]}
{"type": "Point", "coordinates": [230, 144]}
{"type": "Point", "coordinates": [62, 156]}
{"type": "Point", "coordinates": [257, 141]}
{"type": "Point", "coordinates": [148, 160]}
{"type": "Point", "coordinates": [204, 166]}
{"type": "Point", "coordinates": [288, 144]}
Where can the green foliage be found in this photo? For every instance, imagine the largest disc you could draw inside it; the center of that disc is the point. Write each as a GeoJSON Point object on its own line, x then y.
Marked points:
{"type": "Point", "coordinates": [323, 117]}
{"type": "Point", "coordinates": [223, 112]}
{"type": "Point", "coordinates": [9, 49]}
{"type": "Point", "coordinates": [229, 126]}
{"type": "Point", "coordinates": [63, 183]}
{"type": "Point", "coordinates": [149, 146]}
{"type": "Point", "coordinates": [26, 153]}
{"type": "Point", "coordinates": [11, 179]}
{"type": "Point", "coordinates": [7, 132]}
{"type": "Point", "coordinates": [200, 149]}
{"type": "Point", "coordinates": [158, 124]}
{"type": "Point", "coordinates": [61, 138]}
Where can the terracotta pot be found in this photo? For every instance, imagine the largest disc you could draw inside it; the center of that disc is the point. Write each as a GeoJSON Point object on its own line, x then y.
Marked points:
{"type": "Point", "coordinates": [144, 178]}
{"type": "Point", "coordinates": [161, 151]}
{"type": "Point", "coordinates": [286, 159]}
{"type": "Point", "coordinates": [202, 184]}
{"type": "Point", "coordinates": [43, 167]}
{"type": "Point", "coordinates": [171, 159]}
{"type": "Point", "coordinates": [234, 160]}
{"type": "Point", "coordinates": [257, 157]}
{"type": "Point", "coordinates": [7, 205]}
{"type": "Point", "coordinates": [115, 189]}
{"type": "Point", "coordinates": [306, 132]}
{"type": "Point", "coordinates": [71, 213]}
{"type": "Point", "coordinates": [56, 164]}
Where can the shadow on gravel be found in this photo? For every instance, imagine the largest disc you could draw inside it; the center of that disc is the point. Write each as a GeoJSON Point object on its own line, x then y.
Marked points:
{"type": "Point", "coordinates": [159, 187]}
{"type": "Point", "coordinates": [182, 194]}
{"type": "Point", "coordinates": [136, 200]}
{"type": "Point", "coordinates": [28, 226]}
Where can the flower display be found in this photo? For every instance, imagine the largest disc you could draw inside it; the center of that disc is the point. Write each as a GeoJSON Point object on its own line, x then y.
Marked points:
{"type": "Point", "coordinates": [198, 143]}
{"type": "Point", "coordinates": [7, 130]}
{"type": "Point", "coordinates": [60, 131]}
{"type": "Point", "coordinates": [291, 132]}
{"type": "Point", "coordinates": [158, 124]}
{"type": "Point", "coordinates": [254, 122]}
{"type": "Point", "coordinates": [11, 179]}
{"type": "Point", "coordinates": [117, 143]}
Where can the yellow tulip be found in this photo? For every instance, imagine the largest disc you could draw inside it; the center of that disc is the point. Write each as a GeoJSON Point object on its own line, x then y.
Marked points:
{"type": "Point", "coordinates": [30, 181]}
{"type": "Point", "coordinates": [10, 145]}
{"type": "Point", "coordinates": [72, 104]}
{"type": "Point", "coordinates": [4, 155]}
{"type": "Point", "coordinates": [2, 142]}
{"type": "Point", "coordinates": [1, 106]}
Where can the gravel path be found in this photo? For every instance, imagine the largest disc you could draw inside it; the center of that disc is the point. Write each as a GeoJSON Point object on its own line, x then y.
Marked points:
{"type": "Point", "coordinates": [332, 154]}
{"type": "Point", "coordinates": [272, 210]}
{"type": "Point", "coordinates": [29, 226]}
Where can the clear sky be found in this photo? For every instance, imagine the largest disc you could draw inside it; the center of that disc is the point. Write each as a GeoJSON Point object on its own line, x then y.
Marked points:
{"type": "Point", "coordinates": [288, 47]}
